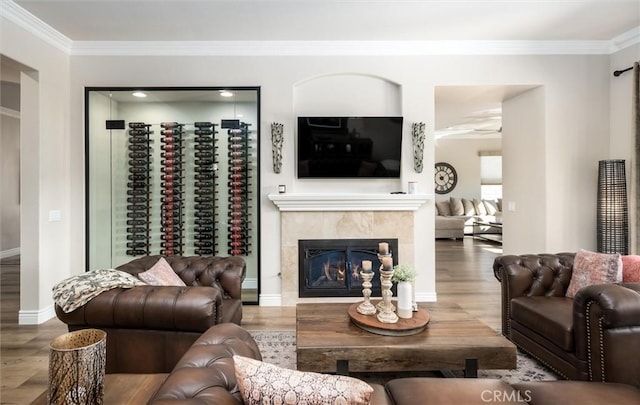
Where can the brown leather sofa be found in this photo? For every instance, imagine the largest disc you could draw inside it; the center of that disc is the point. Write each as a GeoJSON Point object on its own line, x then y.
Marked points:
{"type": "Point", "coordinates": [206, 375]}
{"type": "Point", "coordinates": [594, 337]}
{"type": "Point", "coordinates": [149, 328]}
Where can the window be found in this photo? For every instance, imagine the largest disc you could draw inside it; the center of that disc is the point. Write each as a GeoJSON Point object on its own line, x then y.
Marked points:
{"type": "Point", "coordinates": [490, 175]}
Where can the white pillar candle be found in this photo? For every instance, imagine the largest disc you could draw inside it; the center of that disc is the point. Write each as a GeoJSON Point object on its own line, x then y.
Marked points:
{"type": "Point", "coordinates": [383, 248]}
{"type": "Point", "coordinates": [366, 265]}
{"type": "Point", "coordinates": [387, 263]}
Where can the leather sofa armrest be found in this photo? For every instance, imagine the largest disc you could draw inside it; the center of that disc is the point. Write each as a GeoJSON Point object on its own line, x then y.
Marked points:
{"type": "Point", "coordinates": [531, 275]}
{"type": "Point", "coordinates": [191, 309]}
{"type": "Point", "coordinates": [206, 372]}
{"type": "Point", "coordinates": [606, 322]}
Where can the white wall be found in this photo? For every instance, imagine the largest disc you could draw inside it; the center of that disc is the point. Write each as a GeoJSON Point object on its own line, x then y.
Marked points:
{"type": "Point", "coordinates": [524, 174]}
{"type": "Point", "coordinates": [46, 248]}
{"type": "Point", "coordinates": [576, 112]}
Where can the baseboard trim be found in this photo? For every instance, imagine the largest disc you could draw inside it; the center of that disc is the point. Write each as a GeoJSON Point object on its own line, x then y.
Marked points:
{"type": "Point", "coordinates": [36, 317]}
{"type": "Point", "coordinates": [270, 300]}
{"type": "Point", "coordinates": [250, 283]}
{"type": "Point", "coordinates": [9, 252]}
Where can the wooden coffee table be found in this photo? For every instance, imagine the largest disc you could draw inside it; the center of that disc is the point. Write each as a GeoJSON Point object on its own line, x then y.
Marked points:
{"type": "Point", "coordinates": [328, 342]}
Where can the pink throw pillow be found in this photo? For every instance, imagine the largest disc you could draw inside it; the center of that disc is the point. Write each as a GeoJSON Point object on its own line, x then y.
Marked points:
{"type": "Point", "coordinates": [594, 268]}
{"type": "Point", "coordinates": [631, 269]}
{"type": "Point", "coordinates": [161, 274]}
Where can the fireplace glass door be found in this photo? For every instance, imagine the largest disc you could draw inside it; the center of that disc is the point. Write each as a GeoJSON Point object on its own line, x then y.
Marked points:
{"type": "Point", "coordinates": [331, 268]}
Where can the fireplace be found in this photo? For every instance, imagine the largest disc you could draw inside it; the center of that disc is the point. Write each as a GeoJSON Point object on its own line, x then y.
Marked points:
{"type": "Point", "coordinates": [331, 267]}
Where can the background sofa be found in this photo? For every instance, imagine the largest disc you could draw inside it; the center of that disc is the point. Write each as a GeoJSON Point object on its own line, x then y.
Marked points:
{"type": "Point", "coordinates": [150, 327]}
{"type": "Point", "coordinates": [593, 336]}
{"type": "Point", "coordinates": [455, 217]}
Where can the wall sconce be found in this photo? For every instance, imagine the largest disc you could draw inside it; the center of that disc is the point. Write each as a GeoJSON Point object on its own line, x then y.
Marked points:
{"type": "Point", "coordinates": [276, 145]}
{"type": "Point", "coordinates": [612, 212]}
{"type": "Point", "coordinates": [417, 131]}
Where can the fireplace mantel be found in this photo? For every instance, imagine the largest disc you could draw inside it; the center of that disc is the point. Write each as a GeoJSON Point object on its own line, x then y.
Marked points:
{"type": "Point", "coordinates": [349, 202]}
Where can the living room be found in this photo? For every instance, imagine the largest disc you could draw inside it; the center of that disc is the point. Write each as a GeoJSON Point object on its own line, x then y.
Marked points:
{"type": "Point", "coordinates": [576, 114]}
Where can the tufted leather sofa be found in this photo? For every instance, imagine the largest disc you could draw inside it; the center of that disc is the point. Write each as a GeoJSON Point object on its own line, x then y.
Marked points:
{"type": "Point", "coordinates": [206, 375]}
{"type": "Point", "coordinates": [150, 327]}
{"type": "Point", "coordinates": [595, 336]}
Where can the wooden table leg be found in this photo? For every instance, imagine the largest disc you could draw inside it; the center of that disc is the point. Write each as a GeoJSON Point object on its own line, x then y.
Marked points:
{"type": "Point", "coordinates": [471, 368]}
{"type": "Point", "coordinates": [342, 367]}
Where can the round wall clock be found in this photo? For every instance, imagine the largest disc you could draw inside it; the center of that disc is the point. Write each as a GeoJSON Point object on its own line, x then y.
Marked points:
{"type": "Point", "coordinates": [446, 178]}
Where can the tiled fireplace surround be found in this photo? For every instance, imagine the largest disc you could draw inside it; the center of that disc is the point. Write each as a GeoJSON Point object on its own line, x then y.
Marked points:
{"type": "Point", "coordinates": [341, 217]}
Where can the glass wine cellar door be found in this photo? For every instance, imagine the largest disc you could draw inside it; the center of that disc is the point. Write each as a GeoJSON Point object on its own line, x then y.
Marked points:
{"type": "Point", "coordinates": [173, 171]}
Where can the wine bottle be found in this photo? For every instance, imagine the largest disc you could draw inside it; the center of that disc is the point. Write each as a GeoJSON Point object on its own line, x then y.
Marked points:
{"type": "Point", "coordinates": [204, 176]}
{"type": "Point", "coordinates": [204, 155]}
{"type": "Point", "coordinates": [136, 200]}
{"type": "Point", "coordinates": [136, 252]}
{"type": "Point", "coordinates": [137, 230]}
{"type": "Point", "coordinates": [170, 177]}
{"type": "Point", "coordinates": [203, 252]}
{"type": "Point", "coordinates": [203, 199]}
{"type": "Point", "coordinates": [169, 124]}
{"type": "Point", "coordinates": [203, 146]}
{"type": "Point", "coordinates": [137, 237]}
{"type": "Point", "coordinates": [138, 162]}
{"type": "Point", "coordinates": [203, 132]}
{"type": "Point", "coordinates": [204, 207]}
{"type": "Point", "coordinates": [138, 155]}
{"type": "Point", "coordinates": [203, 229]}
{"type": "Point", "coordinates": [137, 147]}
{"type": "Point", "coordinates": [138, 125]}
{"type": "Point", "coordinates": [202, 124]}
{"type": "Point", "coordinates": [136, 245]}
{"type": "Point", "coordinates": [204, 221]}
{"type": "Point", "coordinates": [136, 222]}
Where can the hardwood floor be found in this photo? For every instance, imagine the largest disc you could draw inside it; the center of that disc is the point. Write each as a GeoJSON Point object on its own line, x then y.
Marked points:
{"type": "Point", "coordinates": [463, 276]}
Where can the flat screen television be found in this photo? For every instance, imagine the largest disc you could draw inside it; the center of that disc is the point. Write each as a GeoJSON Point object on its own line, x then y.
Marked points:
{"type": "Point", "coordinates": [349, 147]}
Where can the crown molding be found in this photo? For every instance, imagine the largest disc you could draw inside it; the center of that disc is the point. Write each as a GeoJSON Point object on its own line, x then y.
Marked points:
{"type": "Point", "coordinates": [331, 48]}
{"type": "Point", "coordinates": [42, 30]}
{"type": "Point", "coordinates": [24, 19]}
{"type": "Point", "coordinates": [624, 40]}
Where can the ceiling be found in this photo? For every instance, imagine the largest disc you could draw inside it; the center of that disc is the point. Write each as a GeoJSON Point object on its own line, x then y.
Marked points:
{"type": "Point", "coordinates": [355, 20]}
{"type": "Point", "coordinates": [461, 111]}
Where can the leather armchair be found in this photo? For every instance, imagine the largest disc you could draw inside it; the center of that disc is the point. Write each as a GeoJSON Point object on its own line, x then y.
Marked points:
{"type": "Point", "coordinates": [595, 336]}
{"type": "Point", "coordinates": [149, 328]}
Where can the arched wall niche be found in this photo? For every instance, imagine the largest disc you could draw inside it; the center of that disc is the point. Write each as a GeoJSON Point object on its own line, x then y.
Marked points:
{"type": "Point", "coordinates": [347, 94]}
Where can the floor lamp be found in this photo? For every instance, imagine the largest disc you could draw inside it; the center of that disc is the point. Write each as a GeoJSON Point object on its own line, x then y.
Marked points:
{"type": "Point", "coordinates": [612, 211]}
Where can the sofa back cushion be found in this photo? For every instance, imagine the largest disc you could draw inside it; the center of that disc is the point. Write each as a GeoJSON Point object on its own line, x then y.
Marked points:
{"type": "Point", "coordinates": [469, 209]}
{"type": "Point", "coordinates": [443, 208]}
{"type": "Point", "coordinates": [456, 206]}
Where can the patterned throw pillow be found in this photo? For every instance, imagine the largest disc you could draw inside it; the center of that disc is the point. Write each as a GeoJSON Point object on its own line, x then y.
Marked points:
{"type": "Point", "coordinates": [631, 269]}
{"type": "Point", "coordinates": [594, 268]}
{"type": "Point", "coordinates": [264, 383]}
{"type": "Point", "coordinates": [75, 291]}
{"type": "Point", "coordinates": [161, 273]}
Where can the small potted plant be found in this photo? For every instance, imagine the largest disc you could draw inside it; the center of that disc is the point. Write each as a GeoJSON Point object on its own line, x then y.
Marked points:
{"type": "Point", "coordinates": [404, 275]}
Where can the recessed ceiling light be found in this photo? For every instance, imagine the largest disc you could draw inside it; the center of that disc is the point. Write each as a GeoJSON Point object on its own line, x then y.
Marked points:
{"type": "Point", "coordinates": [139, 94]}
{"type": "Point", "coordinates": [226, 93]}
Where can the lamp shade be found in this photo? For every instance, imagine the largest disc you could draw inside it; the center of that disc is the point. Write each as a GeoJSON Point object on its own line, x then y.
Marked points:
{"type": "Point", "coordinates": [612, 211]}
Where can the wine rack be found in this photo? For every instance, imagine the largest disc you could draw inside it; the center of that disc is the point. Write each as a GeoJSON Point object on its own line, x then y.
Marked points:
{"type": "Point", "coordinates": [239, 224]}
{"type": "Point", "coordinates": [205, 189]}
{"type": "Point", "coordinates": [172, 189]}
{"type": "Point", "coordinates": [138, 193]}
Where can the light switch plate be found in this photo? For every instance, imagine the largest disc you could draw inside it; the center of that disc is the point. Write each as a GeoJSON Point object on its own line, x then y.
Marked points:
{"type": "Point", "coordinates": [54, 215]}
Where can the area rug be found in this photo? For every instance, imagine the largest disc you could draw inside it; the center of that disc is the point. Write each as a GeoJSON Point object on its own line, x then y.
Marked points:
{"type": "Point", "coordinates": [279, 348]}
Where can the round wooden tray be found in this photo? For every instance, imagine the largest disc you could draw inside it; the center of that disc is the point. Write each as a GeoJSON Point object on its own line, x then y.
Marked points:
{"type": "Point", "coordinates": [404, 327]}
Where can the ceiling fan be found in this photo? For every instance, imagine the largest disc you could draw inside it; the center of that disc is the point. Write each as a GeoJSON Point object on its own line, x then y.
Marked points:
{"type": "Point", "coordinates": [451, 131]}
